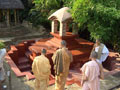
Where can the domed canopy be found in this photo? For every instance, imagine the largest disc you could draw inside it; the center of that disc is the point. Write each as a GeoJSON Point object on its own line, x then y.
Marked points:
{"type": "Point", "coordinates": [61, 15]}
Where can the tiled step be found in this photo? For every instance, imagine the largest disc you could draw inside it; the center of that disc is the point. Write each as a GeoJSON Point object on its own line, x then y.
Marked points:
{"type": "Point", "coordinates": [79, 56]}
{"type": "Point", "coordinates": [24, 67]}
{"type": "Point", "coordinates": [23, 60]}
{"type": "Point", "coordinates": [27, 54]}
{"type": "Point", "coordinates": [118, 59]}
{"type": "Point", "coordinates": [117, 65]}
{"type": "Point", "coordinates": [56, 42]}
{"type": "Point", "coordinates": [28, 70]}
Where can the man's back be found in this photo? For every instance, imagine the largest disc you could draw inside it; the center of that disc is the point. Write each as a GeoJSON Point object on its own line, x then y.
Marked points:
{"type": "Point", "coordinates": [67, 58]}
{"type": "Point", "coordinates": [61, 59]}
{"type": "Point", "coordinates": [41, 67]}
{"type": "Point", "coordinates": [92, 72]}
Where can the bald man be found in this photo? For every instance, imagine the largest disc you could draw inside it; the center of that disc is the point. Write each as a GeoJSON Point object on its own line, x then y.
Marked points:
{"type": "Point", "coordinates": [61, 59]}
{"type": "Point", "coordinates": [91, 74]}
{"type": "Point", "coordinates": [41, 69]}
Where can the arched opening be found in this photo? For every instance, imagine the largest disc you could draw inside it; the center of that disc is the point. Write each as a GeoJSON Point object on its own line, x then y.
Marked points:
{"type": "Point", "coordinates": [70, 26]}
{"type": "Point", "coordinates": [58, 27]}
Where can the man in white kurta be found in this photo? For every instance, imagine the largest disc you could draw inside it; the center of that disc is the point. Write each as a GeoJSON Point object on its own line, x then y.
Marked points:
{"type": "Point", "coordinates": [102, 51]}
{"type": "Point", "coordinates": [41, 69]}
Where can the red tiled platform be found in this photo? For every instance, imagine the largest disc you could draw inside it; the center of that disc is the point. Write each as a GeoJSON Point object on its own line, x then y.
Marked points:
{"type": "Point", "coordinates": [21, 56]}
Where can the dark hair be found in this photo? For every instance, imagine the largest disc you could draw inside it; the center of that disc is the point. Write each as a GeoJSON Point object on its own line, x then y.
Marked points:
{"type": "Point", "coordinates": [98, 39]}
{"type": "Point", "coordinates": [94, 54]}
{"type": "Point", "coordinates": [2, 45]}
{"type": "Point", "coordinates": [63, 42]}
{"type": "Point", "coordinates": [43, 51]}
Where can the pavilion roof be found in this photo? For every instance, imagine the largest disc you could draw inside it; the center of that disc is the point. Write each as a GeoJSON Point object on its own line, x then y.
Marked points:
{"type": "Point", "coordinates": [61, 14]}
{"type": "Point", "coordinates": [11, 4]}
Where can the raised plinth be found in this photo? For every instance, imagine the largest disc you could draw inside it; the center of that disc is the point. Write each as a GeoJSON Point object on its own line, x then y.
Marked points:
{"type": "Point", "coordinates": [76, 46]}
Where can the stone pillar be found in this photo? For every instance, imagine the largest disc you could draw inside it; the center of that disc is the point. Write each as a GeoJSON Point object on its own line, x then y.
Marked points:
{"type": "Point", "coordinates": [4, 14]}
{"type": "Point", "coordinates": [67, 27]}
{"type": "Point", "coordinates": [0, 14]}
{"type": "Point", "coordinates": [54, 26]}
{"type": "Point", "coordinates": [74, 29]}
{"type": "Point", "coordinates": [15, 16]}
{"type": "Point", "coordinates": [8, 18]}
{"type": "Point", "coordinates": [62, 31]}
{"type": "Point", "coordinates": [18, 16]}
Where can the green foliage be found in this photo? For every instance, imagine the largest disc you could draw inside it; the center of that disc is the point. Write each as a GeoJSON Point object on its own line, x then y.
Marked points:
{"type": "Point", "coordinates": [44, 8]}
{"type": "Point", "coordinates": [80, 11]}
{"type": "Point", "coordinates": [2, 45]}
{"type": "Point", "coordinates": [102, 18]}
{"type": "Point", "coordinates": [39, 14]}
{"type": "Point", "coordinates": [38, 18]}
{"type": "Point", "coordinates": [24, 14]}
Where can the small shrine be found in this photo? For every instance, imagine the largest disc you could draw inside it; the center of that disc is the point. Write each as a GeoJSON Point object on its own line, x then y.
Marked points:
{"type": "Point", "coordinates": [62, 18]}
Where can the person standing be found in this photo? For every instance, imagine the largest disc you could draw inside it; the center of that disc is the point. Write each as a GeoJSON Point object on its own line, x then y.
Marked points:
{"type": "Point", "coordinates": [41, 69]}
{"type": "Point", "coordinates": [2, 57]}
{"type": "Point", "coordinates": [61, 59]}
{"type": "Point", "coordinates": [102, 51]}
{"type": "Point", "coordinates": [91, 74]}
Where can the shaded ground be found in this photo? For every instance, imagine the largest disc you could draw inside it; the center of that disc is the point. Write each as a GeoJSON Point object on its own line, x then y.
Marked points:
{"type": "Point", "coordinates": [19, 33]}
{"type": "Point", "coordinates": [23, 84]}
{"type": "Point", "coordinates": [13, 31]}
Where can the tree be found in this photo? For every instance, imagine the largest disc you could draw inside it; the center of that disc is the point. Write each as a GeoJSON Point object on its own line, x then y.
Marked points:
{"type": "Point", "coordinates": [24, 14]}
{"type": "Point", "coordinates": [101, 17]}
{"type": "Point", "coordinates": [44, 8]}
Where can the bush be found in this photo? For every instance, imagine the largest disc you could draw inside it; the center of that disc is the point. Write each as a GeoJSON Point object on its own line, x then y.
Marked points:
{"type": "Point", "coordinates": [2, 45]}
{"type": "Point", "coordinates": [100, 17]}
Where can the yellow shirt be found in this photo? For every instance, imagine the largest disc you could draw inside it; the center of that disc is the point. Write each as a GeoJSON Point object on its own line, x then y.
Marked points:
{"type": "Point", "coordinates": [41, 67]}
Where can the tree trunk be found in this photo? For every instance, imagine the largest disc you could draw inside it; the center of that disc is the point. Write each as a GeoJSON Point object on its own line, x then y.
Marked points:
{"type": "Point", "coordinates": [0, 15]}
{"type": "Point", "coordinates": [8, 18]}
{"type": "Point", "coordinates": [15, 16]}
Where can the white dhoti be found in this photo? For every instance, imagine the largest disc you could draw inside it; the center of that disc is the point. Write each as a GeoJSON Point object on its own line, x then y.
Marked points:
{"type": "Point", "coordinates": [104, 54]}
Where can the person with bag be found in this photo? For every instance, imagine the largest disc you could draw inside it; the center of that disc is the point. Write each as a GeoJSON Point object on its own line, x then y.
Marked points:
{"type": "Point", "coordinates": [102, 51]}
{"type": "Point", "coordinates": [61, 59]}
